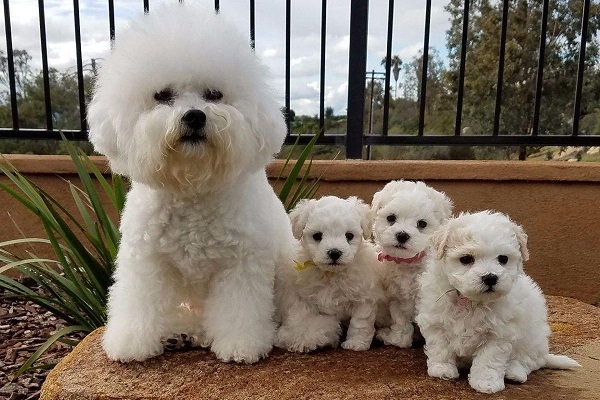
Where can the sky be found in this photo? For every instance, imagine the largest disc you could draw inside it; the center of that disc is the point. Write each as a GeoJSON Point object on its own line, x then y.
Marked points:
{"type": "Point", "coordinates": [409, 19]}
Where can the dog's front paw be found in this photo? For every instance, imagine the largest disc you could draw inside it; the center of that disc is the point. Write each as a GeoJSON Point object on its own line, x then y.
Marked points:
{"type": "Point", "coordinates": [185, 341]}
{"type": "Point", "coordinates": [239, 350]}
{"type": "Point", "coordinates": [402, 339]}
{"type": "Point", "coordinates": [126, 346]}
{"type": "Point", "coordinates": [516, 372]}
{"type": "Point", "coordinates": [444, 371]}
{"type": "Point", "coordinates": [489, 384]}
{"type": "Point", "coordinates": [356, 345]}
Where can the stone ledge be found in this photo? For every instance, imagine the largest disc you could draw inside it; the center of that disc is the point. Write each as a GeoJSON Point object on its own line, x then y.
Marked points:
{"type": "Point", "coordinates": [360, 170]}
{"type": "Point", "coordinates": [380, 373]}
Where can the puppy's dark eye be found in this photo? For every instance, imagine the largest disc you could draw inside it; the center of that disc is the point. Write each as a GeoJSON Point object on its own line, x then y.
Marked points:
{"type": "Point", "coordinates": [349, 236]}
{"type": "Point", "coordinates": [502, 259]}
{"type": "Point", "coordinates": [318, 236]}
{"type": "Point", "coordinates": [391, 218]}
{"type": "Point", "coordinates": [165, 96]}
{"type": "Point", "coordinates": [466, 260]}
{"type": "Point", "coordinates": [422, 224]}
{"type": "Point", "coordinates": [212, 95]}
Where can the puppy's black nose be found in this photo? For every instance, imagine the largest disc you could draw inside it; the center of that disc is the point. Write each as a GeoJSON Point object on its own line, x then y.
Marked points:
{"type": "Point", "coordinates": [490, 279]}
{"type": "Point", "coordinates": [195, 119]}
{"type": "Point", "coordinates": [334, 254]}
{"type": "Point", "coordinates": [402, 237]}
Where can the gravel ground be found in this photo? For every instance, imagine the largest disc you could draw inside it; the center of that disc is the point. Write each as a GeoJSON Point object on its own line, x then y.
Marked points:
{"type": "Point", "coordinates": [23, 327]}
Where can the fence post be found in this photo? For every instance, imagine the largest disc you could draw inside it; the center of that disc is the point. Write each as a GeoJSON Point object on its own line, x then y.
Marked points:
{"type": "Point", "coordinates": [359, 20]}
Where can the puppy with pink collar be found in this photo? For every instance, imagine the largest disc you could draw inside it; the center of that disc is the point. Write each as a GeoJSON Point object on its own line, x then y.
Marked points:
{"type": "Point", "coordinates": [405, 215]}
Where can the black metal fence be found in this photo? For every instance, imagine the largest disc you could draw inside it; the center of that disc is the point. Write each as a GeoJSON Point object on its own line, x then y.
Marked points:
{"type": "Point", "coordinates": [355, 138]}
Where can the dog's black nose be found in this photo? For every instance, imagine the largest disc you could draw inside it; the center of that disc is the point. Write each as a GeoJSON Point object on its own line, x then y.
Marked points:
{"type": "Point", "coordinates": [490, 279]}
{"type": "Point", "coordinates": [402, 237]}
{"type": "Point", "coordinates": [195, 119]}
{"type": "Point", "coordinates": [334, 254]}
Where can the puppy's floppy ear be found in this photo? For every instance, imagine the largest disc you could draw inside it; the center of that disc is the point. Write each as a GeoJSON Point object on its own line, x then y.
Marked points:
{"type": "Point", "coordinates": [522, 239]}
{"type": "Point", "coordinates": [366, 222]}
{"type": "Point", "coordinates": [299, 216]}
{"type": "Point", "coordinates": [385, 195]}
{"type": "Point", "coordinates": [439, 239]}
{"type": "Point", "coordinates": [443, 204]}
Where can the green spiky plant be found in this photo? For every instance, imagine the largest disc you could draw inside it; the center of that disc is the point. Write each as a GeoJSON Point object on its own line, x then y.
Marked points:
{"type": "Point", "coordinates": [75, 282]}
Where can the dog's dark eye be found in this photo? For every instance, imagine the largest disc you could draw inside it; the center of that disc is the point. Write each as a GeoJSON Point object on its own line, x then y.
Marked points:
{"type": "Point", "coordinates": [391, 218]}
{"type": "Point", "coordinates": [466, 260]}
{"type": "Point", "coordinates": [349, 236]}
{"type": "Point", "coordinates": [422, 224]}
{"type": "Point", "coordinates": [212, 95]}
{"type": "Point", "coordinates": [318, 236]}
{"type": "Point", "coordinates": [502, 259]}
{"type": "Point", "coordinates": [165, 96]}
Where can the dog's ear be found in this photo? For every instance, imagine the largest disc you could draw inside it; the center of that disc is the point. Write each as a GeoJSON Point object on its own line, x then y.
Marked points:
{"type": "Point", "coordinates": [299, 216]}
{"type": "Point", "coordinates": [439, 240]}
{"type": "Point", "coordinates": [366, 222]}
{"type": "Point", "coordinates": [102, 131]}
{"type": "Point", "coordinates": [522, 239]}
{"type": "Point", "coordinates": [384, 196]}
{"type": "Point", "coordinates": [443, 204]}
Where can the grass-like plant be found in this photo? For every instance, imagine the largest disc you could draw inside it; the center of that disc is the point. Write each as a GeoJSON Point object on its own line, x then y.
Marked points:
{"type": "Point", "coordinates": [75, 282]}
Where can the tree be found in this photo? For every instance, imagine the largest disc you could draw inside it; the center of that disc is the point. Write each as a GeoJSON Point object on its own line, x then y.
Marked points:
{"type": "Point", "coordinates": [396, 65]}
{"type": "Point", "coordinates": [522, 49]}
{"type": "Point", "coordinates": [64, 97]}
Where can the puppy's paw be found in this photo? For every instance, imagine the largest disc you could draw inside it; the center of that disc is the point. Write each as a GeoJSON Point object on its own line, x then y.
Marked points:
{"type": "Point", "coordinates": [356, 345]}
{"type": "Point", "coordinates": [444, 371]}
{"type": "Point", "coordinates": [402, 339]}
{"type": "Point", "coordinates": [516, 372]}
{"type": "Point", "coordinates": [304, 341]}
{"type": "Point", "coordinates": [239, 351]}
{"type": "Point", "coordinates": [125, 346]}
{"type": "Point", "coordinates": [489, 384]}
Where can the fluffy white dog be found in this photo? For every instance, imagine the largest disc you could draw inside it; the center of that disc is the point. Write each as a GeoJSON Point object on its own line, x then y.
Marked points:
{"type": "Point", "coordinates": [477, 307]}
{"type": "Point", "coordinates": [182, 108]}
{"type": "Point", "coordinates": [334, 279]}
{"type": "Point", "coordinates": [405, 215]}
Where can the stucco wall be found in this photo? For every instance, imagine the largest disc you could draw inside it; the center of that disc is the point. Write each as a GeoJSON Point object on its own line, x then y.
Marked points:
{"type": "Point", "coordinates": [557, 204]}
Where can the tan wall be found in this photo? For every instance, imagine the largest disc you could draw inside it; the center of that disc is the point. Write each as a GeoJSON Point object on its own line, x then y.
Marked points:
{"type": "Point", "coordinates": [557, 204]}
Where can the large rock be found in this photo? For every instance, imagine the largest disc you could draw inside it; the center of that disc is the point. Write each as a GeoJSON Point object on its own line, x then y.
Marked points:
{"type": "Point", "coordinates": [380, 373]}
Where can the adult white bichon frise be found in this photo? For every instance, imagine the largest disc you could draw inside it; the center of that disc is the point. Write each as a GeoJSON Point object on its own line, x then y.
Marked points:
{"type": "Point", "coordinates": [333, 282]}
{"type": "Point", "coordinates": [181, 107]}
{"type": "Point", "coordinates": [405, 215]}
{"type": "Point", "coordinates": [477, 307]}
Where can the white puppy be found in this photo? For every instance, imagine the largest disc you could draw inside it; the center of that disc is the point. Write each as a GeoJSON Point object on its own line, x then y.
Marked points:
{"type": "Point", "coordinates": [182, 108]}
{"type": "Point", "coordinates": [333, 280]}
{"type": "Point", "coordinates": [477, 307]}
{"type": "Point", "coordinates": [405, 215]}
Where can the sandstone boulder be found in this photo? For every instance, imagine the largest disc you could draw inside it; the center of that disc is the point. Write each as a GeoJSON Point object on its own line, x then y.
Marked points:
{"type": "Point", "coordinates": [380, 373]}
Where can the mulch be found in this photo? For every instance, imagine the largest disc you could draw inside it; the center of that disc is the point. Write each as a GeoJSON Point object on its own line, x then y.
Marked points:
{"type": "Point", "coordinates": [24, 326]}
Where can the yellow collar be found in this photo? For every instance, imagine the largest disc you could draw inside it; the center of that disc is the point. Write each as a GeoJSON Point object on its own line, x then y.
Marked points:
{"type": "Point", "coordinates": [302, 266]}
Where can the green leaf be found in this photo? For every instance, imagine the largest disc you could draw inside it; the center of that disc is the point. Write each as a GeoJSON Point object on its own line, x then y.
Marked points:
{"type": "Point", "coordinates": [292, 177]}
{"type": "Point", "coordinates": [27, 365]}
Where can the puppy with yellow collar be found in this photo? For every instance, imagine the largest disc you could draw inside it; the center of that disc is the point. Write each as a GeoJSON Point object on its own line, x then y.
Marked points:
{"type": "Point", "coordinates": [332, 280]}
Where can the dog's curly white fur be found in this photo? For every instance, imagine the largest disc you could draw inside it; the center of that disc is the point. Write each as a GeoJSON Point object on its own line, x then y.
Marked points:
{"type": "Point", "coordinates": [405, 215]}
{"type": "Point", "coordinates": [182, 108]}
{"type": "Point", "coordinates": [477, 307]}
{"type": "Point", "coordinates": [336, 282]}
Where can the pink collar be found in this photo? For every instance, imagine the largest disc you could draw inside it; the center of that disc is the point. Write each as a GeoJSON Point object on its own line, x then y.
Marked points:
{"type": "Point", "coordinates": [462, 300]}
{"type": "Point", "coordinates": [386, 257]}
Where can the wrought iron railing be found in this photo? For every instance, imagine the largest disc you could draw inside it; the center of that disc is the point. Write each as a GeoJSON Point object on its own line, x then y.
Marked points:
{"type": "Point", "coordinates": [355, 138]}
